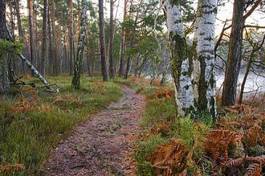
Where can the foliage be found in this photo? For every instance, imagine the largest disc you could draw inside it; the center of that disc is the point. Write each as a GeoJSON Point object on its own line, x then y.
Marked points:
{"type": "Point", "coordinates": [10, 47]}
{"type": "Point", "coordinates": [29, 131]}
{"type": "Point", "coordinates": [234, 145]}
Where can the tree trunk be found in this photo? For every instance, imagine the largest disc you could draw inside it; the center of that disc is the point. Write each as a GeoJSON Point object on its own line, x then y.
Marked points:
{"type": "Point", "coordinates": [44, 38]}
{"type": "Point", "coordinates": [205, 53]}
{"type": "Point", "coordinates": [80, 47]}
{"type": "Point", "coordinates": [181, 71]}
{"type": "Point", "coordinates": [123, 42]}
{"type": "Point", "coordinates": [19, 25]}
{"type": "Point", "coordinates": [245, 78]}
{"type": "Point", "coordinates": [4, 81]}
{"type": "Point", "coordinates": [111, 33]}
{"type": "Point", "coordinates": [102, 41]}
{"type": "Point", "coordinates": [55, 59]}
{"type": "Point", "coordinates": [31, 32]}
{"type": "Point", "coordinates": [70, 34]}
{"type": "Point", "coordinates": [234, 55]}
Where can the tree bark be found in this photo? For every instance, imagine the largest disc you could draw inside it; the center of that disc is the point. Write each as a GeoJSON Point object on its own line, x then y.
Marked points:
{"type": "Point", "coordinates": [111, 33]}
{"type": "Point", "coordinates": [70, 34]}
{"type": "Point", "coordinates": [234, 55]}
{"type": "Point", "coordinates": [44, 38]}
{"type": "Point", "coordinates": [4, 79]}
{"type": "Point", "coordinates": [123, 42]}
{"type": "Point", "coordinates": [19, 25]}
{"type": "Point", "coordinates": [205, 54]}
{"type": "Point", "coordinates": [80, 47]}
{"type": "Point", "coordinates": [31, 32]}
{"type": "Point", "coordinates": [181, 71]}
{"type": "Point", "coordinates": [55, 59]}
{"type": "Point", "coordinates": [102, 41]}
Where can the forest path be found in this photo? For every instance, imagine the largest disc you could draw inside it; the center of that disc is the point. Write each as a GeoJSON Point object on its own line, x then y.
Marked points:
{"type": "Point", "coordinates": [102, 145]}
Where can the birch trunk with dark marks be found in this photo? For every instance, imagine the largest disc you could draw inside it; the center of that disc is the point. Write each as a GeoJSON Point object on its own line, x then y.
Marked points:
{"type": "Point", "coordinates": [205, 54]}
{"type": "Point", "coordinates": [104, 68]}
{"type": "Point", "coordinates": [44, 38]}
{"type": "Point", "coordinates": [70, 34]}
{"type": "Point", "coordinates": [111, 33]}
{"type": "Point", "coordinates": [32, 68]}
{"type": "Point", "coordinates": [234, 55]}
{"type": "Point", "coordinates": [181, 63]}
{"type": "Point", "coordinates": [4, 79]}
{"type": "Point", "coordinates": [80, 47]}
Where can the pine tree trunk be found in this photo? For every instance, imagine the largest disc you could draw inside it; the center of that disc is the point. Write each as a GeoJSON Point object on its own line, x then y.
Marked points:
{"type": "Point", "coordinates": [181, 70]}
{"type": "Point", "coordinates": [70, 35]}
{"type": "Point", "coordinates": [111, 33]}
{"type": "Point", "coordinates": [55, 59]}
{"type": "Point", "coordinates": [102, 41]}
{"type": "Point", "coordinates": [205, 54]}
{"type": "Point", "coordinates": [31, 32]}
{"type": "Point", "coordinates": [4, 79]}
{"type": "Point", "coordinates": [19, 25]}
{"type": "Point", "coordinates": [44, 38]}
{"type": "Point", "coordinates": [80, 47]}
{"type": "Point", "coordinates": [234, 55]}
{"type": "Point", "coordinates": [123, 43]}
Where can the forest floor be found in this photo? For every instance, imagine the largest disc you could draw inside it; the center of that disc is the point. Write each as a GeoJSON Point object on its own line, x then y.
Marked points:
{"type": "Point", "coordinates": [103, 145]}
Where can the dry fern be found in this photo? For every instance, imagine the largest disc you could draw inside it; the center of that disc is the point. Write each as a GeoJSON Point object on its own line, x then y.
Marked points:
{"type": "Point", "coordinates": [169, 159]}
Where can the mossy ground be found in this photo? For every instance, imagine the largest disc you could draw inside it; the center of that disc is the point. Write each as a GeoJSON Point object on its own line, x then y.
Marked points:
{"type": "Point", "coordinates": [31, 130]}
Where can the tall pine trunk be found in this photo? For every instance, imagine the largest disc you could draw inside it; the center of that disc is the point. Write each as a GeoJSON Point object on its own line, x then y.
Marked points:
{"type": "Point", "coordinates": [123, 42]}
{"type": "Point", "coordinates": [234, 55]}
{"type": "Point", "coordinates": [111, 33]}
{"type": "Point", "coordinates": [80, 47]}
{"type": "Point", "coordinates": [180, 60]}
{"type": "Point", "coordinates": [70, 35]}
{"type": "Point", "coordinates": [31, 32]}
{"type": "Point", "coordinates": [44, 38]}
{"type": "Point", "coordinates": [4, 79]}
{"type": "Point", "coordinates": [102, 41]}
{"type": "Point", "coordinates": [205, 54]}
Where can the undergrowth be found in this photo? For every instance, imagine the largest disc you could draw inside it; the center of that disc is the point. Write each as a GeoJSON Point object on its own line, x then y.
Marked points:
{"type": "Point", "coordinates": [33, 122]}
{"type": "Point", "coordinates": [233, 145]}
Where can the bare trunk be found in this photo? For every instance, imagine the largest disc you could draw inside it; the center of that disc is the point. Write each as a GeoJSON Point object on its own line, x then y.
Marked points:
{"type": "Point", "coordinates": [44, 38]}
{"type": "Point", "coordinates": [80, 47]}
{"type": "Point", "coordinates": [102, 41]}
{"type": "Point", "coordinates": [123, 44]}
{"type": "Point", "coordinates": [181, 71]}
{"type": "Point", "coordinates": [111, 62]}
{"type": "Point", "coordinates": [70, 35]}
{"type": "Point", "coordinates": [31, 32]}
{"type": "Point", "coordinates": [4, 79]}
{"type": "Point", "coordinates": [234, 55]}
{"type": "Point", "coordinates": [205, 53]}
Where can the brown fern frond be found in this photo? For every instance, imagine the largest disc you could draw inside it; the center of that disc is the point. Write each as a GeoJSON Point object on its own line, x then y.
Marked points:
{"type": "Point", "coordinates": [254, 170]}
{"type": "Point", "coordinates": [11, 168]}
{"type": "Point", "coordinates": [170, 158]}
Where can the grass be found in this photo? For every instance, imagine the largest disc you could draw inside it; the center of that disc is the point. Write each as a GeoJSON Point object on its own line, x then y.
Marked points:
{"type": "Point", "coordinates": [160, 125]}
{"type": "Point", "coordinates": [31, 128]}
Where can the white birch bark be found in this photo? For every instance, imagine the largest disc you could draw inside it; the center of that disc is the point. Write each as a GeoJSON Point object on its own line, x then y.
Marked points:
{"type": "Point", "coordinates": [205, 53]}
{"type": "Point", "coordinates": [181, 70]}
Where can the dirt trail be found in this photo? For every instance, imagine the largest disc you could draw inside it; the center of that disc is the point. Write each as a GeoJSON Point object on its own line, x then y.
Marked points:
{"type": "Point", "coordinates": [102, 145]}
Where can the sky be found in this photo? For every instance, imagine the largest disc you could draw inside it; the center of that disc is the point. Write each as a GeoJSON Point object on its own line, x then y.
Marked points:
{"type": "Point", "coordinates": [224, 13]}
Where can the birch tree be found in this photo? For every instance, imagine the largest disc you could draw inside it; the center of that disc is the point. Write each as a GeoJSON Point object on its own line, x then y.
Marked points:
{"type": "Point", "coordinates": [180, 60]}
{"type": "Point", "coordinates": [207, 10]}
{"type": "Point", "coordinates": [80, 47]}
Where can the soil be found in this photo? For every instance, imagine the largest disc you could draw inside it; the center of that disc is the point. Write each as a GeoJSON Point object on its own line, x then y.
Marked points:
{"type": "Point", "coordinates": [103, 145]}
